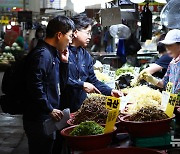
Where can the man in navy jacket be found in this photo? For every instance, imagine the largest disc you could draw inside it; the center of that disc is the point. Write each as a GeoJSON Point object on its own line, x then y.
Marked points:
{"type": "Point", "coordinates": [82, 78]}
{"type": "Point", "coordinates": [46, 73]}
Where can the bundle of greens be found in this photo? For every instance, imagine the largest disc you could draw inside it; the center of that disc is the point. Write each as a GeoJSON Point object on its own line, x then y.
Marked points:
{"type": "Point", "coordinates": [87, 128]}
{"type": "Point", "coordinates": [125, 69]}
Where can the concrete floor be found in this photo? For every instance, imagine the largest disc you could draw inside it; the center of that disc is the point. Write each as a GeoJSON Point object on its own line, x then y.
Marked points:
{"type": "Point", "coordinates": [12, 137]}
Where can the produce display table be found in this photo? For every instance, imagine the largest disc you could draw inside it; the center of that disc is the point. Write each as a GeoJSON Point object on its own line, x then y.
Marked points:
{"type": "Point", "coordinates": [108, 58]}
{"type": "Point", "coordinates": [144, 56]}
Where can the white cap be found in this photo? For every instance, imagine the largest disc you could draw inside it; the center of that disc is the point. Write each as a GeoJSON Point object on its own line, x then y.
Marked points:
{"type": "Point", "coordinates": [173, 36]}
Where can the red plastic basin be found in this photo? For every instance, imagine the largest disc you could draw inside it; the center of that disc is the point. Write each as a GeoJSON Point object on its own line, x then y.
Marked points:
{"type": "Point", "coordinates": [146, 129]}
{"type": "Point", "coordinates": [85, 143]}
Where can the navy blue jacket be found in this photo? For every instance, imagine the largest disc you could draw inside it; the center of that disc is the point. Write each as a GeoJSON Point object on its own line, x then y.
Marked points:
{"type": "Point", "coordinates": [45, 75]}
{"type": "Point", "coordinates": [80, 71]}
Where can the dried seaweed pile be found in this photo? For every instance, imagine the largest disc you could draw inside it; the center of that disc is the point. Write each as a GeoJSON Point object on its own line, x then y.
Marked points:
{"type": "Point", "coordinates": [148, 114]}
{"type": "Point", "coordinates": [92, 109]}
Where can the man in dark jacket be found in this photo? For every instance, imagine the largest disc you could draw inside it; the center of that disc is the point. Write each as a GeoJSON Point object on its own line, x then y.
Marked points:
{"type": "Point", "coordinates": [47, 72]}
{"type": "Point", "coordinates": [82, 78]}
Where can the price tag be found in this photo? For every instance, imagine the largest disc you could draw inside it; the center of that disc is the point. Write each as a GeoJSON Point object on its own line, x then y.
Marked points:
{"type": "Point", "coordinates": [165, 99]}
{"type": "Point", "coordinates": [106, 68]}
{"type": "Point", "coordinates": [171, 104]}
{"type": "Point", "coordinates": [112, 74]}
{"type": "Point", "coordinates": [111, 120]}
{"type": "Point", "coordinates": [112, 103]}
{"type": "Point", "coordinates": [169, 87]}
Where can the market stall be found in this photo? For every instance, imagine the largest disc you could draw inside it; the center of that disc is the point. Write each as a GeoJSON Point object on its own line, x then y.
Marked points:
{"type": "Point", "coordinates": [144, 119]}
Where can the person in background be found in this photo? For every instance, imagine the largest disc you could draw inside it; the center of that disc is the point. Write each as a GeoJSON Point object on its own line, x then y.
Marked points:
{"type": "Point", "coordinates": [172, 43]}
{"type": "Point", "coordinates": [39, 35]}
{"type": "Point", "coordinates": [82, 79]}
{"type": "Point", "coordinates": [107, 41]}
{"type": "Point", "coordinates": [132, 46]}
{"type": "Point", "coordinates": [20, 40]}
{"type": "Point", "coordinates": [46, 75]}
{"type": "Point", "coordinates": [160, 67]}
{"type": "Point", "coordinates": [96, 37]}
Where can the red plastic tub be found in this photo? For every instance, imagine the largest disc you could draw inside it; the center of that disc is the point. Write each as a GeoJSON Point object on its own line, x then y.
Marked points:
{"type": "Point", "coordinates": [85, 143]}
{"type": "Point", "coordinates": [146, 129]}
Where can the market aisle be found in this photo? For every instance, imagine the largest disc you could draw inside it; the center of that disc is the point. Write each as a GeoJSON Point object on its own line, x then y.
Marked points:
{"type": "Point", "coordinates": [11, 133]}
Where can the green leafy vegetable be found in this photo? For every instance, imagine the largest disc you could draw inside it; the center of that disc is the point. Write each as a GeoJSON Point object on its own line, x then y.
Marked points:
{"type": "Point", "coordinates": [87, 128]}
{"type": "Point", "coordinates": [125, 69]}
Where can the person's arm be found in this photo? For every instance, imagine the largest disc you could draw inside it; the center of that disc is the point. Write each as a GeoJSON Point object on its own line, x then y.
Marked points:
{"type": "Point", "coordinates": [154, 68]}
{"type": "Point", "coordinates": [149, 78]}
{"type": "Point", "coordinates": [103, 88]}
{"type": "Point", "coordinates": [165, 79]}
{"type": "Point", "coordinates": [64, 55]}
{"type": "Point", "coordinates": [35, 82]}
{"type": "Point", "coordinates": [160, 84]}
{"type": "Point", "coordinates": [75, 83]}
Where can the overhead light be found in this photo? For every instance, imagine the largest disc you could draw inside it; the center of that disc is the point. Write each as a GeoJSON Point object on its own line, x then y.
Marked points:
{"type": "Point", "coordinates": [137, 1]}
{"type": "Point", "coordinates": [79, 8]}
{"type": "Point", "coordinates": [161, 1]}
{"type": "Point", "coordinates": [139, 24]}
{"type": "Point", "coordinates": [13, 23]}
{"type": "Point", "coordinates": [80, 5]}
{"type": "Point", "coordinates": [9, 26]}
{"type": "Point", "coordinates": [44, 22]}
{"type": "Point", "coordinates": [90, 2]}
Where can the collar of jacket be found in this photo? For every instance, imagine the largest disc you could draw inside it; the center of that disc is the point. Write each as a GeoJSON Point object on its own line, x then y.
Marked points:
{"type": "Point", "coordinates": [74, 49]}
{"type": "Point", "coordinates": [51, 48]}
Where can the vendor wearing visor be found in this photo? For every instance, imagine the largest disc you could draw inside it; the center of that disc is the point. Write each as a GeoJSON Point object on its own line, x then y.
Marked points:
{"type": "Point", "coordinates": [172, 76]}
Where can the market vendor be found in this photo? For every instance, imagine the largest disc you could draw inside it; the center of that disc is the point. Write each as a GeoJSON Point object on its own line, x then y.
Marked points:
{"type": "Point", "coordinates": [82, 78]}
{"type": "Point", "coordinates": [172, 43]}
{"type": "Point", "coordinates": [160, 67]}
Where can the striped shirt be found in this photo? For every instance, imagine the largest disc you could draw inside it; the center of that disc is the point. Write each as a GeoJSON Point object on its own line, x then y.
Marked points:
{"type": "Point", "coordinates": [173, 75]}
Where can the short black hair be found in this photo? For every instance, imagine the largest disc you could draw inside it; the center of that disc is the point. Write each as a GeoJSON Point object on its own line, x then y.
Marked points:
{"type": "Point", "coordinates": [61, 24]}
{"type": "Point", "coordinates": [161, 47]}
{"type": "Point", "coordinates": [81, 21]}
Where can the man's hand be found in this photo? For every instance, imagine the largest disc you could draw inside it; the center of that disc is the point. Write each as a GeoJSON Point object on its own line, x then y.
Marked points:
{"type": "Point", "coordinates": [56, 114]}
{"type": "Point", "coordinates": [148, 77]}
{"type": "Point", "coordinates": [116, 93]}
{"type": "Point", "coordinates": [90, 88]}
{"type": "Point", "coordinates": [64, 55]}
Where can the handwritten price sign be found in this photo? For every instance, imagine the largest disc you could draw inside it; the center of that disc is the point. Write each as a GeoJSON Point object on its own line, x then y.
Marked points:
{"type": "Point", "coordinates": [111, 120]}
{"type": "Point", "coordinates": [171, 104]}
